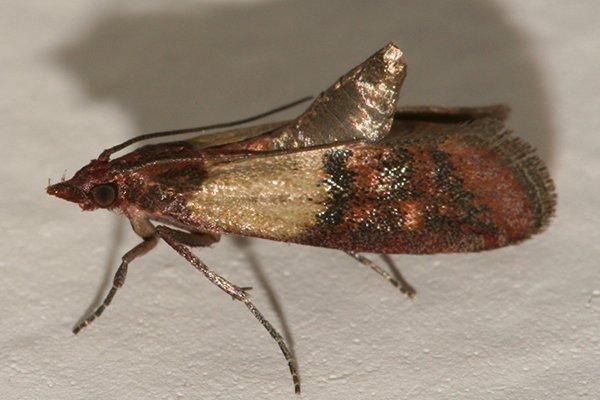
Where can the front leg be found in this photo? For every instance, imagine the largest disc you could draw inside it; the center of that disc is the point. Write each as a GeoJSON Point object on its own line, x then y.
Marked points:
{"type": "Point", "coordinates": [238, 293]}
{"type": "Point", "coordinates": [119, 279]}
{"type": "Point", "coordinates": [146, 230]}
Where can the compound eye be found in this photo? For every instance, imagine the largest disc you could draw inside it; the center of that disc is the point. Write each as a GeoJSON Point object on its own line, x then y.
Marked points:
{"type": "Point", "coordinates": [104, 195]}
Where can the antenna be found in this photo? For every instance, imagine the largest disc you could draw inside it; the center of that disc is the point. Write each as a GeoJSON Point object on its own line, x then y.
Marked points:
{"type": "Point", "coordinates": [105, 155]}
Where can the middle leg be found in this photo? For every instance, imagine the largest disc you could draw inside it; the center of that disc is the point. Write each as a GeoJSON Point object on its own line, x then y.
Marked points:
{"type": "Point", "coordinates": [119, 279]}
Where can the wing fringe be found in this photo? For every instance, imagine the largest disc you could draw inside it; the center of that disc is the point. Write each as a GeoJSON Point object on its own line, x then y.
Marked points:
{"type": "Point", "coordinates": [519, 156]}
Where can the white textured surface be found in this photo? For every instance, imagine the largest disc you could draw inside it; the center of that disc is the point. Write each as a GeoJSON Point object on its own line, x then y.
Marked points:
{"type": "Point", "coordinates": [516, 323]}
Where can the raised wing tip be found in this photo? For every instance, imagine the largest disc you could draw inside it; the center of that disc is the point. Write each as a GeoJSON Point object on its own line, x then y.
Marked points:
{"type": "Point", "coordinates": [358, 106]}
{"type": "Point", "coordinates": [392, 51]}
{"type": "Point", "coordinates": [393, 57]}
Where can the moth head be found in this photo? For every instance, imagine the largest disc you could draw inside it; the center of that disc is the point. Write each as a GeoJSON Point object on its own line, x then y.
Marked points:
{"type": "Point", "coordinates": [93, 186]}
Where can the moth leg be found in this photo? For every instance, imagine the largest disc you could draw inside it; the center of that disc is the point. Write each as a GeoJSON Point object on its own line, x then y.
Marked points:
{"type": "Point", "coordinates": [119, 279]}
{"type": "Point", "coordinates": [194, 239]}
{"type": "Point", "coordinates": [411, 291]}
{"type": "Point", "coordinates": [144, 228]}
{"type": "Point", "coordinates": [199, 239]}
{"type": "Point", "coordinates": [234, 291]}
{"type": "Point", "coordinates": [398, 282]}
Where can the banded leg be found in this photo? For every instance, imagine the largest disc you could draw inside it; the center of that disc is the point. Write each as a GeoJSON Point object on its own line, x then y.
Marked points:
{"type": "Point", "coordinates": [400, 283]}
{"type": "Point", "coordinates": [119, 279]}
{"type": "Point", "coordinates": [234, 291]}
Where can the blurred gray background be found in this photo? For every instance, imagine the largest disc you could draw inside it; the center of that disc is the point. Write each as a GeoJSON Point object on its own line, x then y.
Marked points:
{"type": "Point", "coordinates": [78, 77]}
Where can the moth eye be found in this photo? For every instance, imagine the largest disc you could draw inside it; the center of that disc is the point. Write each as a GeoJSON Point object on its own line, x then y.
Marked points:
{"type": "Point", "coordinates": [104, 195]}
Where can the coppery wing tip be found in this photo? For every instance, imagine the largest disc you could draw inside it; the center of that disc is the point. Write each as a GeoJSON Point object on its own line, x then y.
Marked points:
{"type": "Point", "coordinates": [393, 57]}
{"type": "Point", "coordinates": [392, 50]}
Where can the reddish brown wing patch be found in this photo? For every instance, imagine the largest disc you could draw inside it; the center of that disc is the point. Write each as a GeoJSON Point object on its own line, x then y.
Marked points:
{"type": "Point", "coordinates": [469, 190]}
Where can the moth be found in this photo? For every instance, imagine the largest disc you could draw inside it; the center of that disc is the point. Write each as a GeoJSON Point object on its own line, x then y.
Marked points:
{"type": "Point", "coordinates": [353, 172]}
